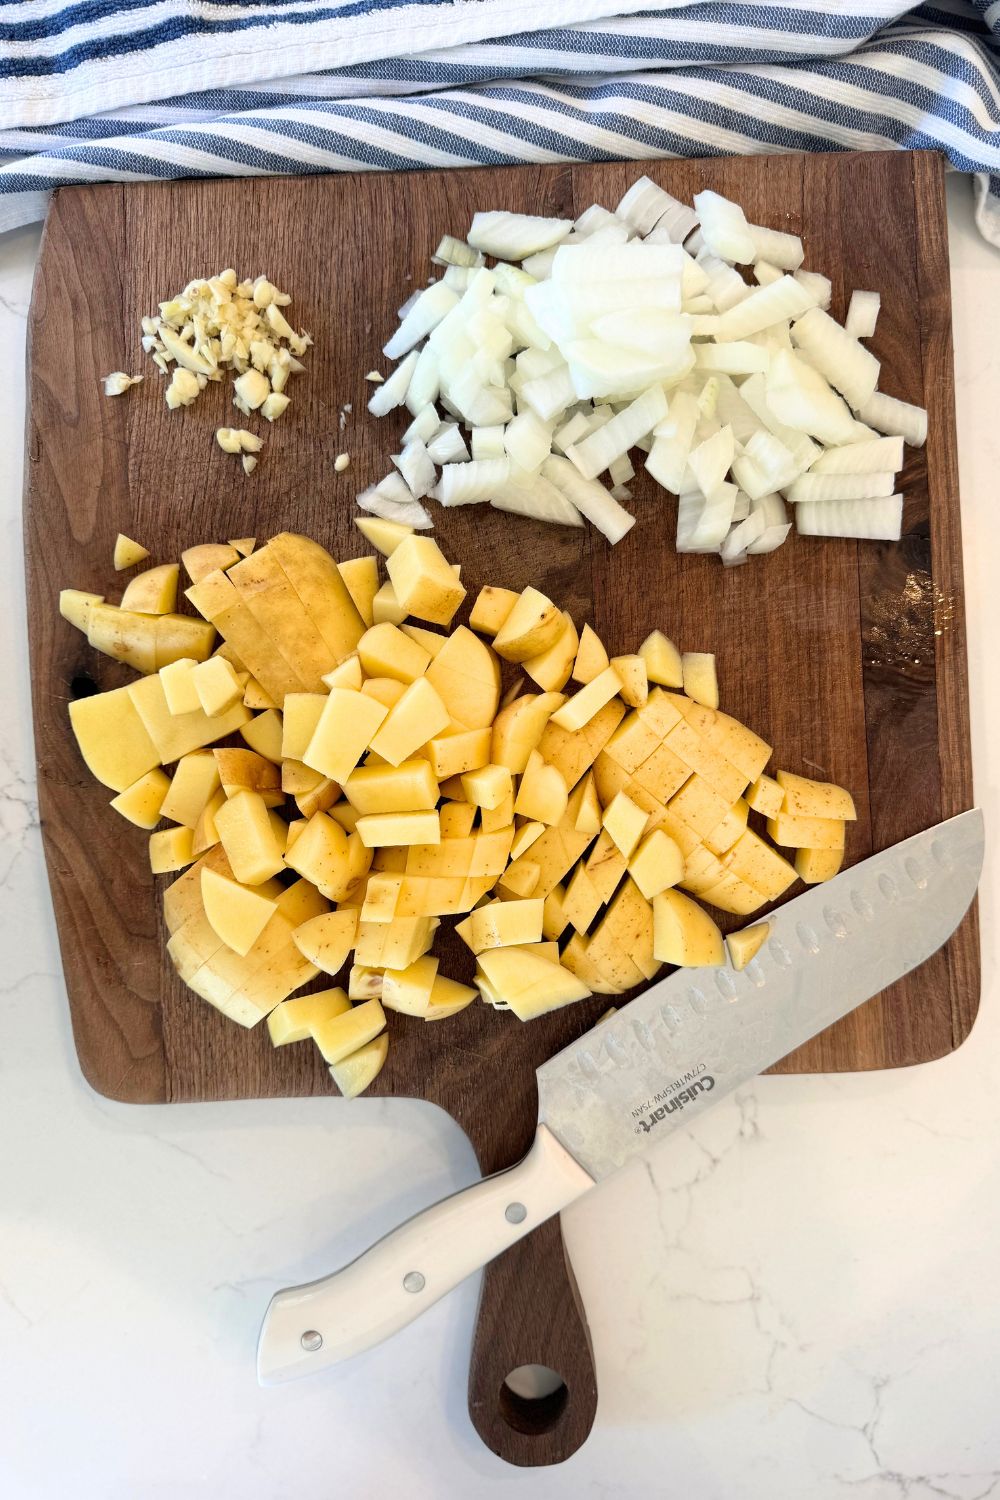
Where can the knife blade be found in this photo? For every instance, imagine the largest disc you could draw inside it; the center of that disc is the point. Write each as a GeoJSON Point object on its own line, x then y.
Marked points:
{"type": "Point", "coordinates": [677, 1049]}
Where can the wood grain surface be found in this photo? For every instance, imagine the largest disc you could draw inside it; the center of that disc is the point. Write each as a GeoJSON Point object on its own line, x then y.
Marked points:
{"type": "Point", "coordinates": [849, 658]}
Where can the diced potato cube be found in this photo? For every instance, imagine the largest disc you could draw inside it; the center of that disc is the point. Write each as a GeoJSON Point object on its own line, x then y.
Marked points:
{"type": "Point", "coordinates": [518, 728]}
{"type": "Point", "coordinates": [503, 924]}
{"type": "Point", "coordinates": [419, 716]}
{"type": "Point", "coordinates": [759, 865]}
{"type": "Point", "coordinates": [364, 984]}
{"type": "Point", "coordinates": [632, 742]}
{"type": "Point", "coordinates": [605, 866]}
{"type": "Point", "coordinates": [293, 1020]}
{"type": "Point", "coordinates": [384, 535]}
{"type": "Point", "coordinates": [814, 799]}
{"type": "Point", "coordinates": [793, 832]}
{"type": "Point", "coordinates": [634, 688]}
{"type": "Point", "coordinates": [662, 774]}
{"type": "Point", "coordinates": [345, 729]}
{"type": "Point", "coordinates": [582, 900]}
{"type": "Point", "coordinates": [264, 735]}
{"type": "Point", "coordinates": [521, 880]}
{"type": "Point", "coordinates": [582, 707]}
{"type": "Point", "coordinates": [589, 818]}
{"type": "Point", "coordinates": [360, 574]}
{"type": "Point", "coordinates": [542, 794]}
{"type": "Point", "coordinates": [423, 580]}
{"type": "Point", "coordinates": [399, 828]}
{"type": "Point", "coordinates": [492, 819]}
{"type": "Point", "coordinates": [195, 781]}
{"type": "Point", "coordinates": [358, 1071]}
{"type": "Point", "coordinates": [217, 685]}
{"type": "Point", "coordinates": [236, 913]}
{"type": "Point", "coordinates": [698, 805]}
{"type": "Point", "coordinates": [409, 990]}
{"type": "Point", "coordinates": [74, 606]}
{"type": "Point", "coordinates": [248, 838]}
{"type": "Point", "coordinates": [683, 933]}
{"type": "Point", "coordinates": [625, 823]}
{"type": "Point", "coordinates": [171, 849]}
{"type": "Point", "coordinates": [447, 998]}
{"type": "Point", "coordinates": [488, 786]}
{"type": "Point", "coordinates": [387, 690]}
{"type": "Point", "coordinates": [327, 940]}
{"type": "Point", "coordinates": [300, 715]}
{"type": "Point", "coordinates": [128, 553]}
{"type": "Point", "coordinates": [385, 651]}
{"type": "Point", "coordinates": [408, 787]}
{"type": "Point", "coordinates": [591, 657]}
{"type": "Point", "coordinates": [533, 625]}
{"type": "Point", "coordinates": [657, 864]}
{"type": "Point", "coordinates": [393, 945]}
{"type": "Point", "coordinates": [347, 674]}
{"type": "Point", "coordinates": [491, 609]}
{"type": "Point", "coordinates": [745, 945]}
{"type": "Point", "coordinates": [334, 861]}
{"type": "Point", "coordinates": [141, 803]}
{"type": "Point", "coordinates": [454, 754]}
{"type": "Point", "coordinates": [179, 686]}
{"type": "Point", "coordinates": [554, 918]}
{"type": "Point", "coordinates": [765, 796]}
{"type": "Point", "coordinates": [529, 984]}
{"type": "Point", "coordinates": [208, 557]}
{"type": "Point", "coordinates": [246, 771]}
{"type": "Point", "coordinates": [551, 669]}
{"type": "Point", "coordinates": [725, 834]}
{"type": "Point", "coordinates": [386, 608]}
{"type": "Point", "coordinates": [341, 1035]}
{"type": "Point", "coordinates": [431, 640]}
{"type": "Point", "coordinates": [663, 660]}
{"type": "Point", "coordinates": [457, 818]}
{"type": "Point", "coordinates": [153, 592]}
{"type": "Point", "coordinates": [816, 865]}
{"type": "Point", "coordinates": [700, 680]}
{"type": "Point", "coordinates": [524, 838]}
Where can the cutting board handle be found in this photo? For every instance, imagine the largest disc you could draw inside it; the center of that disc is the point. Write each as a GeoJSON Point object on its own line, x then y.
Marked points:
{"type": "Point", "coordinates": [530, 1314]}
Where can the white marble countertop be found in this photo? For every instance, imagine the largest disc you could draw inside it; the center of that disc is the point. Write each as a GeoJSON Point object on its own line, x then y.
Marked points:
{"type": "Point", "coordinates": [799, 1297]}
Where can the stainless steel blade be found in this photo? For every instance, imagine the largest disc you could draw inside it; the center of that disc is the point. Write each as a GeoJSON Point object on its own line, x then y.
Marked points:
{"type": "Point", "coordinates": [692, 1038]}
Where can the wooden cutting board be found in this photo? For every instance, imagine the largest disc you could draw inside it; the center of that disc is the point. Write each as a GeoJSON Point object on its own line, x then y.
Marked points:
{"type": "Point", "coordinates": [849, 658]}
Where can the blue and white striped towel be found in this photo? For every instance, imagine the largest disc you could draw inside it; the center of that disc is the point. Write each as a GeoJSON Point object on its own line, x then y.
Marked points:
{"type": "Point", "coordinates": [118, 90]}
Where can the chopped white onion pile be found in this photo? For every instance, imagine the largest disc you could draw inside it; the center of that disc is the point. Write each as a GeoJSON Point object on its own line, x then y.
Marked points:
{"type": "Point", "coordinates": [529, 385]}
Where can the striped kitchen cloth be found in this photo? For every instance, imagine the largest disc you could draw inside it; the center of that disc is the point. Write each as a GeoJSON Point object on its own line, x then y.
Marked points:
{"type": "Point", "coordinates": [120, 90]}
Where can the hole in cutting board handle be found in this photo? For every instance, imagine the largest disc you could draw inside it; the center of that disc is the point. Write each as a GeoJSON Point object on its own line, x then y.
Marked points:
{"type": "Point", "coordinates": [533, 1399]}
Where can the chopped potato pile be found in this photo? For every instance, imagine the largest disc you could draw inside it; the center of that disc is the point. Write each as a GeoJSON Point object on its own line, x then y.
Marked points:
{"type": "Point", "coordinates": [346, 770]}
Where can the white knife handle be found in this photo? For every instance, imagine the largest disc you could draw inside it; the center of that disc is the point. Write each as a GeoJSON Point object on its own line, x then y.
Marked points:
{"type": "Point", "coordinates": [309, 1327]}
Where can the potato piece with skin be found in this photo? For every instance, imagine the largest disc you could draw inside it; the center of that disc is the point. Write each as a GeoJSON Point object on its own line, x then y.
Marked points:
{"type": "Point", "coordinates": [745, 945]}
{"type": "Point", "coordinates": [255, 697]}
{"type": "Point", "coordinates": [803, 798]}
{"type": "Point", "coordinates": [518, 728]}
{"type": "Point", "coordinates": [700, 755]}
{"type": "Point", "coordinates": [195, 781]}
{"type": "Point", "coordinates": [264, 734]}
{"type": "Point", "coordinates": [554, 918]}
{"type": "Point", "coordinates": [684, 934]}
{"type": "Point", "coordinates": [634, 688]}
{"type": "Point", "coordinates": [408, 990]}
{"type": "Point", "coordinates": [344, 731]}
{"type": "Point", "coordinates": [701, 681]}
{"type": "Point", "coordinates": [248, 838]}
{"type": "Point", "coordinates": [281, 614]}
{"type": "Point", "coordinates": [293, 1020]}
{"type": "Point", "coordinates": [419, 716]}
{"type": "Point", "coordinates": [591, 657]}
{"type": "Point", "coordinates": [236, 913]}
{"type": "Point", "coordinates": [466, 675]}
{"type": "Point", "coordinates": [423, 580]}
{"type": "Point", "coordinates": [663, 660]}
{"type": "Point", "coordinates": [542, 794]}
{"type": "Point", "coordinates": [360, 575]}
{"type": "Point", "coordinates": [502, 924]}
{"type": "Point", "coordinates": [816, 865]}
{"type": "Point", "coordinates": [171, 849]}
{"type": "Point", "coordinates": [491, 609]}
{"type": "Point", "coordinates": [529, 984]}
{"type": "Point", "coordinates": [175, 735]}
{"type": "Point", "coordinates": [657, 864]}
{"type": "Point", "coordinates": [457, 819]}
{"type": "Point", "coordinates": [364, 983]}
{"type": "Point", "coordinates": [300, 716]}
{"type": "Point", "coordinates": [348, 1032]}
{"type": "Point", "coordinates": [153, 592]}
{"type": "Point", "coordinates": [123, 635]}
{"type": "Point", "coordinates": [128, 553]}
{"type": "Point", "coordinates": [358, 1071]}
{"type": "Point", "coordinates": [551, 669]}
{"type": "Point", "coordinates": [723, 837]}
{"type": "Point", "coordinates": [75, 605]}
{"type": "Point", "coordinates": [524, 838]}
{"type": "Point", "coordinates": [319, 587]}
{"type": "Point", "coordinates": [385, 536]}
{"type": "Point", "coordinates": [218, 600]}
{"type": "Point", "coordinates": [662, 774]}
{"type": "Point", "coordinates": [627, 929]}
{"type": "Point", "coordinates": [384, 651]}
{"type": "Point", "coordinates": [625, 822]}
{"type": "Point", "coordinates": [488, 786]}
{"type": "Point", "coordinates": [141, 802]}
{"type": "Point", "coordinates": [576, 958]}
{"type": "Point", "coordinates": [533, 625]}
{"type": "Point", "coordinates": [243, 544]}
{"type": "Point", "coordinates": [327, 940]}
{"type": "Point", "coordinates": [582, 900]}
{"type": "Point", "coordinates": [454, 754]}
{"type": "Point", "coordinates": [322, 854]}
{"type": "Point", "coordinates": [765, 796]}
{"type": "Point", "coordinates": [382, 894]}
{"type": "Point", "coordinates": [698, 805]}
{"type": "Point", "coordinates": [573, 752]}
{"type": "Point", "coordinates": [318, 799]}
{"type": "Point", "coordinates": [794, 832]}
{"type": "Point", "coordinates": [394, 945]}
{"type": "Point", "coordinates": [246, 771]}
{"type": "Point", "coordinates": [494, 818]}
{"type": "Point", "coordinates": [409, 787]}
{"type": "Point", "coordinates": [208, 557]}
{"type": "Point", "coordinates": [582, 707]}
{"type": "Point", "coordinates": [521, 881]}
{"type": "Point", "coordinates": [589, 818]}
{"type": "Point", "coordinates": [217, 685]}
{"type": "Point", "coordinates": [448, 997]}
{"type": "Point", "coordinates": [733, 895]}
{"type": "Point", "coordinates": [205, 832]}
{"type": "Point", "coordinates": [759, 865]}
{"type": "Point", "coordinates": [377, 829]}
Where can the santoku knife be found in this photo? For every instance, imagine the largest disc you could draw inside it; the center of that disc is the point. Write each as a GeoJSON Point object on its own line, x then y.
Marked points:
{"type": "Point", "coordinates": [675, 1050]}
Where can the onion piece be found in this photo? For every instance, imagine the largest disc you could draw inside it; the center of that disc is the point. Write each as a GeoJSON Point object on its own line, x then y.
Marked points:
{"type": "Point", "coordinates": [392, 392]}
{"type": "Point", "coordinates": [870, 520]}
{"type": "Point", "coordinates": [571, 432]}
{"type": "Point", "coordinates": [487, 442]}
{"type": "Point", "coordinates": [395, 503]}
{"type": "Point", "coordinates": [645, 204]}
{"type": "Point", "coordinates": [472, 483]}
{"type": "Point", "coordinates": [598, 369]}
{"type": "Point", "coordinates": [458, 277]}
{"type": "Point", "coordinates": [732, 411]}
{"type": "Point", "coordinates": [599, 449]}
{"type": "Point", "coordinates": [427, 312]}
{"type": "Point", "coordinates": [650, 330]}
{"type": "Point", "coordinates": [875, 456]}
{"type": "Point", "coordinates": [801, 398]}
{"type": "Point", "coordinates": [540, 265]}
{"type": "Point", "coordinates": [726, 287]}
{"type": "Point", "coordinates": [549, 395]}
{"type": "Point", "coordinates": [736, 358]}
{"type": "Point", "coordinates": [862, 314]}
{"type": "Point", "coordinates": [447, 446]}
{"type": "Point", "coordinates": [826, 487]}
{"type": "Point", "coordinates": [771, 539]}
{"type": "Point", "coordinates": [453, 252]}
{"type": "Point", "coordinates": [753, 393]}
{"type": "Point", "coordinates": [590, 498]}
{"type": "Point", "coordinates": [417, 468]}
{"type": "Point", "coordinates": [593, 218]}
{"type": "Point", "coordinates": [668, 457]}
{"type": "Point", "coordinates": [425, 383]}
{"type": "Point", "coordinates": [886, 414]}
{"type": "Point", "coordinates": [847, 365]}
{"type": "Point", "coordinates": [511, 236]}
{"type": "Point", "coordinates": [742, 536]}
{"type": "Point", "coordinates": [741, 508]}
{"type": "Point", "coordinates": [783, 300]}
{"type": "Point", "coordinates": [724, 228]}
{"type": "Point", "coordinates": [819, 287]}
{"type": "Point", "coordinates": [424, 425]}
{"type": "Point", "coordinates": [532, 495]}
{"type": "Point", "coordinates": [765, 273]}
{"type": "Point", "coordinates": [632, 262]}
{"type": "Point", "coordinates": [710, 461]}
{"type": "Point", "coordinates": [526, 440]}
{"type": "Point", "coordinates": [711, 527]}
{"type": "Point", "coordinates": [784, 251]}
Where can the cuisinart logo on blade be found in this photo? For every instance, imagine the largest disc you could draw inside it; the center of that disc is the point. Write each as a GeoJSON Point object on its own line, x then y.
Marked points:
{"type": "Point", "coordinates": [677, 1100]}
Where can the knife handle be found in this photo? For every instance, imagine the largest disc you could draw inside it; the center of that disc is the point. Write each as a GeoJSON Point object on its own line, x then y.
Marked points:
{"type": "Point", "coordinates": [309, 1327]}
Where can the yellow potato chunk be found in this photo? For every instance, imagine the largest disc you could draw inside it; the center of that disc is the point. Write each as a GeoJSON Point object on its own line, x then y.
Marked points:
{"type": "Point", "coordinates": [246, 771]}
{"type": "Point", "coordinates": [409, 990]}
{"type": "Point", "coordinates": [591, 657]}
{"type": "Point", "coordinates": [524, 838]}
{"type": "Point", "coordinates": [385, 536]}
{"type": "Point", "coordinates": [360, 575]}
{"type": "Point", "coordinates": [75, 605]}
{"type": "Point", "coordinates": [634, 688]}
{"type": "Point", "coordinates": [700, 680]}
{"type": "Point", "coordinates": [348, 674]}
{"type": "Point", "coordinates": [814, 799]}
{"type": "Point", "coordinates": [431, 640]}
{"type": "Point", "coordinates": [356, 1072]}
{"type": "Point", "coordinates": [454, 754]}
{"type": "Point", "coordinates": [491, 609]}
{"type": "Point", "coordinates": [409, 787]}
{"type": "Point", "coordinates": [487, 787]}
{"type": "Point", "coordinates": [153, 592]}
{"type": "Point", "coordinates": [765, 796]}
{"type": "Point", "coordinates": [632, 742]}
{"type": "Point", "coordinates": [759, 865]}
{"type": "Point", "coordinates": [816, 865]}
{"type": "Point", "coordinates": [179, 687]}
{"type": "Point", "coordinates": [300, 715]}
{"type": "Point", "coordinates": [554, 918]}
{"type": "Point", "coordinates": [663, 660]}
{"type": "Point", "coordinates": [364, 983]}
{"type": "Point", "coordinates": [264, 735]}
{"type": "Point", "coordinates": [457, 819]}
{"type": "Point", "coordinates": [466, 675]}
{"type": "Point", "coordinates": [195, 781]}
{"type": "Point", "coordinates": [175, 735]}
{"type": "Point", "coordinates": [293, 1020]}
{"type": "Point", "coordinates": [698, 805]}
{"type": "Point", "coordinates": [171, 849]}
{"type": "Point", "coordinates": [341, 1035]}
{"type": "Point", "coordinates": [551, 669]}
{"type": "Point", "coordinates": [141, 803]}
{"type": "Point", "coordinates": [529, 984]}
{"type": "Point", "coordinates": [343, 733]}
{"type": "Point", "coordinates": [745, 945]}
{"type": "Point", "coordinates": [518, 728]}
{"type": "Point", "coordinates": [385, 690]}
{"type": "Point", "coordinates": [382, 895]}
{"type": "Point", "coordinates": [793, 832]}
{"type": "Point", "coordinates": [503, 924]}
{"type": "Point", "coordinates": [447, 998]}
{"type": "Point", "coordinates": [424, 581]}
{"type": "Point", "coordinates": [393, 945]}
{"type": "Point", "coordinates": [542, 795]}
{"type": "Point", "coordinates": [625, 823]}
{"type": "Point", "coordinates": [205, 832]}
{"type": "Point", "coordinates": [582, 707]}
{"type": "Point", "coordinates": [533, 625]}
{"type": "Point", "coordinates": [725, 834]}
{"type": "Point", "coordinates": [419, 716]}
{"type": "Point", "coordinates": [385, 651]}
{"type": "Point", "coordinates": [217, 685]}
{"type": "Point", "coordinates": [208, 557]}
{"type": "Point", "coordinates": [582, 899]}
{"type": "Point", "coordinates": [589, 819]}
{"type": "Point", "coordinates": [657, 864]}
{"type": "Point", "coordinates": [128, 553]}
{"type": "Point", "coordinates": [323, 854]}
{"type": "Point", "coordinates": [248, 838]}
{"type": "Point", "coordinates": [377, 829]}
{"type": "Point", "coordinates": [684, 933]}
{"type": "Point", "coordinates": [236, 913]}
{"type": "Point", "coordinates": [386, 608]}
{"type": "Point", "coordinates": [327, 940]}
